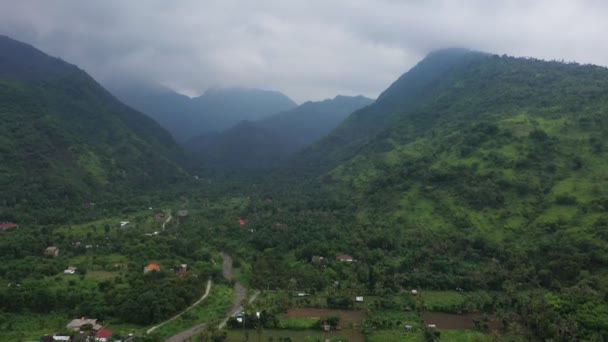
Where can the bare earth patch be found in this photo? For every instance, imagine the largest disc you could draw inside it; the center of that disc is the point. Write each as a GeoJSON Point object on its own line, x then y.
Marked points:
{"type": "Point", "coordinates": [458, 322]}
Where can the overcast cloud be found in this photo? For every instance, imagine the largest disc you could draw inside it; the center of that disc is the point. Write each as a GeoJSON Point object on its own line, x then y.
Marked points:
{"type": "Point", "coordinates": [309, 49]}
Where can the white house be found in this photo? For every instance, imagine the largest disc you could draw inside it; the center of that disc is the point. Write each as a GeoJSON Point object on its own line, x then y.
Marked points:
{"type": "Point", "coordinates": [70, 270]}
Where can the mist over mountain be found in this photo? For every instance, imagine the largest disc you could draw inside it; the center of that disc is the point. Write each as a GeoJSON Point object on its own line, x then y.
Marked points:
{"type": "Point", "coordinates": [216, 110]}
{"type": "Point", "coordinates": [265, 143]}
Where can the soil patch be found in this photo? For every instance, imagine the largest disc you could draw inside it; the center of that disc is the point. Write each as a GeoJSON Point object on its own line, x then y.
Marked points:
{"type": "Point", "coordinates": [347, 317]}
{"type": "Point", "coordinates": [460, 322]}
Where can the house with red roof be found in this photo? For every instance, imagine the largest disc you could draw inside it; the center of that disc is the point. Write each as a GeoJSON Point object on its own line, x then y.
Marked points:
{"type": "Point", "coordinates": [242, 222]}
{"type": "Point", "coordinates": [7, 225]}
{"type": "Point", "coordinates": [345, 258]}
{"type": "Point", "coordinates": [103, 335]}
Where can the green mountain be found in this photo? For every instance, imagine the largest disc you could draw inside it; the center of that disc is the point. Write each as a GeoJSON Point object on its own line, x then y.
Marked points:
{"type": "Point", "coordinates": [413, 88]}
{"type": "Point", "coordinates": [264, 143]}
{"type": "Point", "coordinates": [215, 110]}
{"type": "Point", "coordinates": [64, 138]}
{"type": "Point", "coordinates": [483, 172]}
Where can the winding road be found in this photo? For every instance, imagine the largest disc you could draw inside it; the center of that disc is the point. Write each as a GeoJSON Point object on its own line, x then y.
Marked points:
{"type": "Point", "coordinates": [207, 290]}
{"type": "Point", "coordinates": [240, 294]}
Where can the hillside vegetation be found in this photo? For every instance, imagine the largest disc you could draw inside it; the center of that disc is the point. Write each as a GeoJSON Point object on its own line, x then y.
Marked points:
{"type": "Point", "coordinates": [492, 178]}
{"type": "Point", "coordinates": [65, 140]}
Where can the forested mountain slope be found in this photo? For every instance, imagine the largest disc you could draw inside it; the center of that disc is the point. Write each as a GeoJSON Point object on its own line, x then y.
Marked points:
{"type": "Point", "coordinates": [64, 138]}
{"type": "Point", "coordinates": [214, 111]}
{"type": "Point", "coordinates": [414, 87]}
{"type": "Point", "coordinates": [264, 143]}
{"type": "Point", "coordinates": [493, 177]}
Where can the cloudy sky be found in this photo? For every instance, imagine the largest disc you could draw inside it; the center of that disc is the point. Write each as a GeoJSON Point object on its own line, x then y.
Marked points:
{"type": "Point", "coordinates": [308, 49]}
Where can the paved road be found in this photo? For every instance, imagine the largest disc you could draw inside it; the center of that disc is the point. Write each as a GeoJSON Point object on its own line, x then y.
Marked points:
{"type": "Point", "coordinates": [240, 294]}
{"type": "Point", "coordinates": [207, 290]}
{"type": "Point", "coordinates": [167, 221]}
{"type": "Point", "coordinates": [227, 270]}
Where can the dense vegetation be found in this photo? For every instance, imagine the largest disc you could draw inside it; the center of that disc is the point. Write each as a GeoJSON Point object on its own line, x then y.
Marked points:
{"type": "Point", "coordinates": [265, 143]}
{"type": "Point", "coordinates": [65, 140]}
{"type": "Point", "coordinates": [474, 178]}
{"type": "Point", "coordinates": [493, 182]}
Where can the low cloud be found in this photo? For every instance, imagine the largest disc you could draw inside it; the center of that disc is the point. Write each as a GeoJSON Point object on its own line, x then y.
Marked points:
{"type": "Point", "coordinates": [310, 49]}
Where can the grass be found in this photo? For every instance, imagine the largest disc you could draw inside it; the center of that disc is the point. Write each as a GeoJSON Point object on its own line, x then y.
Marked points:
{"type": "Point", "coordinates": [298, 323]}
{"type": "Point", "coordinates": [100, 275]}
{"type": "Point", "coordinates": [210, 311]}
{"type": "Point", "coordinates": [29, 327]}
{"type": "Point", "coordinates": [445, 301]}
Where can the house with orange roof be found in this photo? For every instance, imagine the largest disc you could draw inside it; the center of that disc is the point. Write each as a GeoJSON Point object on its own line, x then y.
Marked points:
{"type": "Point", "coordinates": [151, 267]}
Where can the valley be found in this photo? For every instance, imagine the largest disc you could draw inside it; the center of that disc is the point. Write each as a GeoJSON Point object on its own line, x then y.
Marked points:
{"type": "Point", "coordinates": [465, 203]}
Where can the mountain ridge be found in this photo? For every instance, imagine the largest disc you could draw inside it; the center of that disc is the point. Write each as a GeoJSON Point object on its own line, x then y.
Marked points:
{"type": "Point", "coordinates": [265, 143]}
{"type": "Point", "coordinates": [216, 109]}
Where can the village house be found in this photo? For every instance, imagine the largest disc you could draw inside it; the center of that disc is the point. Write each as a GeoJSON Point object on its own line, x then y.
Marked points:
{"type": "Point", "coordinates": [103, 335]}
{"type": "Point", "coordinates": [182, 270]}
{"type": "Point", "coordinates": [89, 204]}
{"type": "Point", "coordinates": [124, 224]}
{"type": "Point", "coordinates": [78, 323]}
{"type": "Point", "coordinates": [159, 217]}
{"type": "Point", "coordinates": [316, 259]}
{"type": "Point", "coordinates": [326, 326]}
{"type": "Point", "coordinates": [70, 270]}
{"type": "Point", "coordinates": [345, 258]}
{"type": "Point", "coordinates": [51, 251]}
{"type": "Point", "coordinates": [7, 225]}
{"type": "Point", "coordinates": [359, 299]}
{"type": "Point", "coordinates": [151, 267]}
{"type": "Point", "coordinates": [182, 213]}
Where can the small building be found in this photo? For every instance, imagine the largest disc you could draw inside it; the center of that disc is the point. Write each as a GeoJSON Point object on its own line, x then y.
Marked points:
{"type": "Point", "coordinates": [159, 217]}
{"type": "Point", "coordinates": [60, 338]}
{"type": "Point", "coordinates": [88, 204]}
{"type": "Point", "coordinates": [326, 326]}
{"type": "Point", "coordinates": [51, 251]}
{"type": "Point", "coordinates": [182, 213]}
{"type": "Point", "coordinates": [7, 225]}
{"type": "Point", "coordinates": [70, 270]}
{"type": "Point", "coordinates": [409, 327]}
{"type": "Point", "coordinates": [414, 292]}
{"type": "Point", "coordinates": [345, 258]}
{"type": "Point", "coordinates": [431, 326]}
{"type": "Point", "coordinates": [103, 335]}
{"type": "Point", "coordinates": [242, 222]}
{"type": "Point", "coordinates": [317, 259]}
{"type": "Point", "coordinates": [151, 267]}
{"type": "Point", "coordinates": [359, 299]}
{"type": "Point", "coordinates": [78, 323]}
{"type": "Point", "coordinates": [124, 224]}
